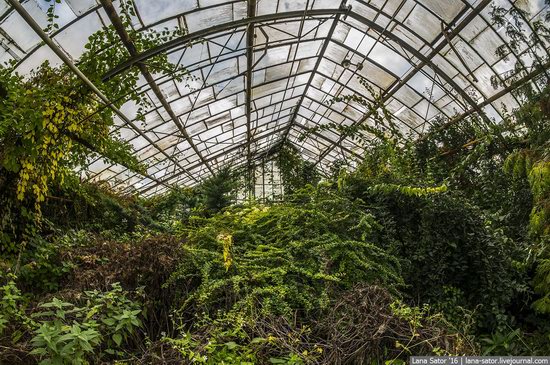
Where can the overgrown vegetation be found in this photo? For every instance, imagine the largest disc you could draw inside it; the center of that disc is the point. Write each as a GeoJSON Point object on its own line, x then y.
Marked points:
{"type": "Point", "coordinates": [433, 247]}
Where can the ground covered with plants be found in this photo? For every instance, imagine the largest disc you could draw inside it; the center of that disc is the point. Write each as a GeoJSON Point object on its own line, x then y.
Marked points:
{"type": "Point", "coordinates": [438, 246]}
{"type": "Point", "coordinates": [435, 247]}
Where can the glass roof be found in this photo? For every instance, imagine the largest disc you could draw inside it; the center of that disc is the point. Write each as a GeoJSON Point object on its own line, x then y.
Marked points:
{"type": "Point", "coordinates": [245, 102]}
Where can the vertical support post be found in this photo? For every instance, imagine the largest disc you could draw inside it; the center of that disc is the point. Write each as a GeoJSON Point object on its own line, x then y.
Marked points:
{"type": "Point", "coordinates": [251, 13]}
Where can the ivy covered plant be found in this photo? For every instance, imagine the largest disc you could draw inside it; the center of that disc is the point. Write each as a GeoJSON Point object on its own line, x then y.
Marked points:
{"type": "Point", "coordinates": [439, 236]}
{"type": "Point", "coordinates": [48, 128]}
{"type": "Point", "coordinates": [283, 258]}
{"type": "Point", "coordinates": [52, 124]}
{"type": "Point", "coordinates": [531, 162]}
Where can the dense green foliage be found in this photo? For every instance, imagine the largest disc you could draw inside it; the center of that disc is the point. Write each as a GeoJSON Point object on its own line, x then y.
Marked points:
{"type": "Point", "coordinates": [432, 247]}
{"type": "Point", "coordinates": [295, 172]}
{"type": "Point", "coordinates": [51, 124]}
{"type": "Point", "coordinates": [439, 243]}
{"type": "Point", "coordinates": [282, 258]}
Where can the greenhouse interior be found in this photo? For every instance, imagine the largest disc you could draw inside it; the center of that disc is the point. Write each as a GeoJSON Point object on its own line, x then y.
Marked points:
{"type": "Point", "coordinates": [274, 181]}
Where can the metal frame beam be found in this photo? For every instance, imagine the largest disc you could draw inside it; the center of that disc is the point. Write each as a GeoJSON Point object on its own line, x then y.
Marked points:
{"type": "Point", "coordinates": [436, 47]}
{"type": "Point", "coordinates": [49, 42]}
{"type": "Point", "coordinates": [130, 46]}
{"type": "Point", "coordinates": [315, 68]}
{"type": "Point", "coordinates": [191, 37]}
{"type": "Point", "coordinates": [425, 60]}
{"type": "Point", "coordinates": [243, 145]}
{"type": "Point", "coordinates": [213, 157]}
{"type": "Point", "coordinates": [514, 85]}
{"type": "Point", "coordinates": [251, 13]}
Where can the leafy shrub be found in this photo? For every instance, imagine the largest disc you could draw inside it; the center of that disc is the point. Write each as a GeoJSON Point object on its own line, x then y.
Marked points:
{"type": "Point", "coordinates": [363, 325]}
{"type": "Point", "coordinates": [216, 345]}
{"type": "Point", "coordinates": [231, 339]}
{"type": "Point", "coordinates": [13, 319]}
{"type": "Point", "coordinates": [98, 326]}
{"type": "Point", "coordinates": [281, 258]}
{"type": "Point", "coordinates": [502, 343]}
{"type": "Point", "coordinates": [173, 208]}
{"type": "Point", "coordinates": [218, 191]}
{"type": "Point", "coordinates": [68, 334]}
{"type": "Point", "coordinates": [542, 286]}
{"type": "Point", "coordinates": [442, 241]}
{"type": "Point", "coordinates": [61, 344]}
{"type": "Point", "coordinates": [96, 208]}
{"type": "Point", "coordinates": [296, 172]}
{"type": "Point", "coordinates": [45, 264]}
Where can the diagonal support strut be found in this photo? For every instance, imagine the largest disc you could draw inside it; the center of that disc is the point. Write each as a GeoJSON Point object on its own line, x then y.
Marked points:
{"type": "Point", "coordinates": [130, 46]}
{"type": "Point", "coordinates": [48, 41]}
{"type": "Point", "coordinates": [313, 72]}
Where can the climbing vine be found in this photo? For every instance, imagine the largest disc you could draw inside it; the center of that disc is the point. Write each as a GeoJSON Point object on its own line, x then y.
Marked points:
{"type": "Point", "coordinates": [380, 124]}
{"type": "Point", "coordinates": [51, 123]}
